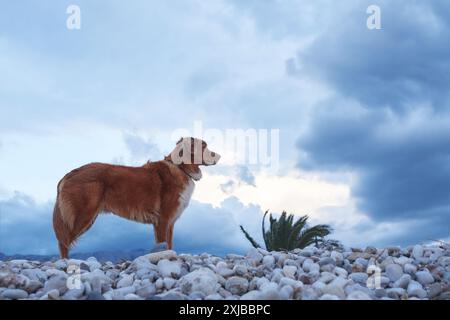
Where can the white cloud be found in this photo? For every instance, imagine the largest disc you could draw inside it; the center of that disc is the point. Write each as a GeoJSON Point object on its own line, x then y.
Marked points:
{"type": "Point", "coordinates": [299, 194]}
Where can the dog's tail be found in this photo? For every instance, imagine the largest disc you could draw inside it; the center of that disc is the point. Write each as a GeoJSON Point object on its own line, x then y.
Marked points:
{"type": "Point", "coordinates": [61, 229]}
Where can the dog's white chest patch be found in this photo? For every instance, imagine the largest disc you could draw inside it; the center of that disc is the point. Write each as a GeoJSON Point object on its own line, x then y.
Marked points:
{"type": "Point", "coordinates": [185, 197]}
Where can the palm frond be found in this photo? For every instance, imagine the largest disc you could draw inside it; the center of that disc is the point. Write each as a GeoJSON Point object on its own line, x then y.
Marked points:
{"type": "Point", "coordinates": [249, 238]}
{"type": "Point", "coordinates": [311, 235]}
{"type": "Point", "coordinates": [286, 234]}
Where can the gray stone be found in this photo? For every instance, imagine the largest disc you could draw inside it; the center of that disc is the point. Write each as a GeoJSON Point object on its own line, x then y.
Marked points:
{"type": "Point", "coordinates": [169, 268]}
{"type": "Point", "coordinates": [362, 261]}
{"type": "Point", "coordinates": [327, 260]}
{"type": "Point", "coordinates": [417, 251]}
{"type": "Point", "coordinates": [119, 294]}
{"type": "Point", "coordinates": [156, 256]}
{"type": "Point", "coordinates": [395, 293]}
{"type": "Point", "coordinates": [334, 289]}
{"type": "Point", "coordinates": [410, 268]}
{"type": "Point", "coordinates": [328, 296]}
{"type": "Point", "coordinates": [33, 286]}
{"type": "Point", "coordinates": [337, 256]}
{"type": "Point", "coordinates": [327, 268]}
{"type": "Point", "coordinates": [254, 256]}
{"type": "Point", "coordinates": [94, 265]}
{"type": "Point", "coordinates": [359, 277]}
{"type": "Point", "coordinates": [393, 251]}
{"type": "Point", "coordinates": [309, 293]}
{"type": "Point", "coordinates": [311, 267]}
{"type": "Point", "coordinates": [340, 282]}
{"type": "Point", "coordinates": [56, 282]}
{"type": "Point", "coordinates": [14, 294]}
{"type": "Point", "coordinates": [214, 296]}
{"type": "Point", "coordinates": [326, 277]}
{"type": "Point", "coordinates": [385, 281]}
{"type": "Point", "coordinates": [296, 285]}
{"type": "Point", "coordinates": [237, 285]}
{"type": "Point", "coordinates": [341, 272]}
{"type": "Point", "coordinates": [94, 295]}
{"type": "Point", "coordinates": [269, 291]}
{"type": "Point", "coordinates": [415, 289]}
{"type": "Point", "coordinates": [434, 290]}
{"type": "Point", "coordinates": [251, 295]}
{"type": "Point", "coordinates": [358, 295]}
{"type": "Point", "coordinates": [290, 271]}
{"type": "Point", "coordinates": [73, 294]}
{"type": "Point", "coordinates": [159, 283]}
{"type": "Point", "coordinates": [171, 295]}
{"type": "Point", "coordinates": [424, 277]}
{"type": "Point", "coordinates": [357, 287]}
{"type": "Point", "coordinates": [306, 278]}
{"type": "Point", "coordinates": [84, 266]}
{"type": "Point", "coordinates": [169, 283]}
{"type": "Point", "coordinates": [444, 296]}
{"type": "Point", "coordinates": [380, 293]}
{"type": "Point", "coordinates": [394, 271]}
{"type": "Point", "coordinates": [403, 282]}
{"type": "Point", "coordinates": [240, 270]}
{"type": "Point", "coordinates": [268, 261]}
{"type": "Point", "coordinates": [225, 272]}
{"type": "Point", "coordinates": [202, 280]}
{"type": "Point", "coordinates": [125, 281]}
{"type": "Point", "coordinates": [61, 264]}
{"type": "Point", "coordinates": [402, 260]}
{"type": "Point", "coordinates": [146, 291]}
{"type": "Point", "coordinates": [132, 296]}
{"type": "Point", "coordinates": [371, 250]}
{"type": "Point", "coordinates": [197, 296]}
{"type": "Point", "coordinates": [35, 274]}
{"type": "Point", "coordinates": [286, 292]}
{"type": "Point", "coordinates": [8, 280]}
{"type": "Point", "coordinates": [53, 294]}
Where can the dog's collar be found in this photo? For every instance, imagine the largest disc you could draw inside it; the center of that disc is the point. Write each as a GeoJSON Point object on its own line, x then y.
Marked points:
{"type": "Point", "coordinates": [182, 169]}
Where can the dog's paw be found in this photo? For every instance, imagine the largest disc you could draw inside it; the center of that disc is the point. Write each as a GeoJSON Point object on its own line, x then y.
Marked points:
{"type": "Point", "coordinates": [162, 246]}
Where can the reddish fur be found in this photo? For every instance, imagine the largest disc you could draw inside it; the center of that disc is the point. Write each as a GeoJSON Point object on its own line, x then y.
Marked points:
{"type": "Point", "coordinates": [147, 194]}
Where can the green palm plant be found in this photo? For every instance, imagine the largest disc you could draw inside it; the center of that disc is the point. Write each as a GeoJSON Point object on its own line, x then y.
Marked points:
{"type": "Point", "coordinates": [285, 234]}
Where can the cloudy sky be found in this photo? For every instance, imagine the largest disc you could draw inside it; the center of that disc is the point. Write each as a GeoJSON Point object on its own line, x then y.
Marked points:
{"type": "Point", "coordinates": [363, 115]}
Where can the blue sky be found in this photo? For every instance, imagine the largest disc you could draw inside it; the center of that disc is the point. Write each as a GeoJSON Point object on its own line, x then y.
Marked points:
{"type": "Point", "coordinates": [363, 114]}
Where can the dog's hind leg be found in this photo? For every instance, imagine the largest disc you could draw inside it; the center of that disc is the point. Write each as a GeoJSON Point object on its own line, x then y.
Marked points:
{"type": "Point", "coordinates": [73, 218]}
{"type": "Point", "coordinates": [85, 218]}
{"type": "Point", "coordinates": [62, 232]}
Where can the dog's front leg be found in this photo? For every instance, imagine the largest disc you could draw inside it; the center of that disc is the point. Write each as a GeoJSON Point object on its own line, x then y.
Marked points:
{"type": "Point", "coordinates": [161, 231]}
{"type": "Point", "coordinates": [170, 236]}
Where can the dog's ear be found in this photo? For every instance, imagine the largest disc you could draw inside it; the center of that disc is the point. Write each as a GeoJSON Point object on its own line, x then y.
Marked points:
{"type": "Point", "coordinates": [179, 141]}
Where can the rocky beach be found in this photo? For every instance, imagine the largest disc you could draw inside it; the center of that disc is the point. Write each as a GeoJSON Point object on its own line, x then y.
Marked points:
{"type": "Point", "coordinates": [417, 272]}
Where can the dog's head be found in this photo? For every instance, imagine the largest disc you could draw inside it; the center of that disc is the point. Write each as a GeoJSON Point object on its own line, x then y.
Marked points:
{"type": "Point", "coordinates": [192, 153]}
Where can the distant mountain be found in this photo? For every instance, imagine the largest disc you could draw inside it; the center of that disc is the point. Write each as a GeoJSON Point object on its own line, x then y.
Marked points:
{"type": "Point", "coordinates": [102, 256]}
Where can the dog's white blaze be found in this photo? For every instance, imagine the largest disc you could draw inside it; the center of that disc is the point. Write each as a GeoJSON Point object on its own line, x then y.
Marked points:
{"type": "Point", "coordinates": [185, 197]}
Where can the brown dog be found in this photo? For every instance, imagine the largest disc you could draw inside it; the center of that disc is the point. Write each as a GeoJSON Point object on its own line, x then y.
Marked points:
{"type": "Point", "coordinates": [156, 193]}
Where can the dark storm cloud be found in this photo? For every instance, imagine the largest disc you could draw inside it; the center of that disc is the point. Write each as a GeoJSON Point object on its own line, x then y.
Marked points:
{"type": "Point", "coordinates": [405, 63]}
{"type": "Point", "coordinates": [390, 118]}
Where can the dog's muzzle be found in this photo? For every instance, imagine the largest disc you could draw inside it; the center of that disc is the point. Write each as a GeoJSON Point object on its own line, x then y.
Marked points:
{"type": "Point", "coordinates": [211, 158]}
